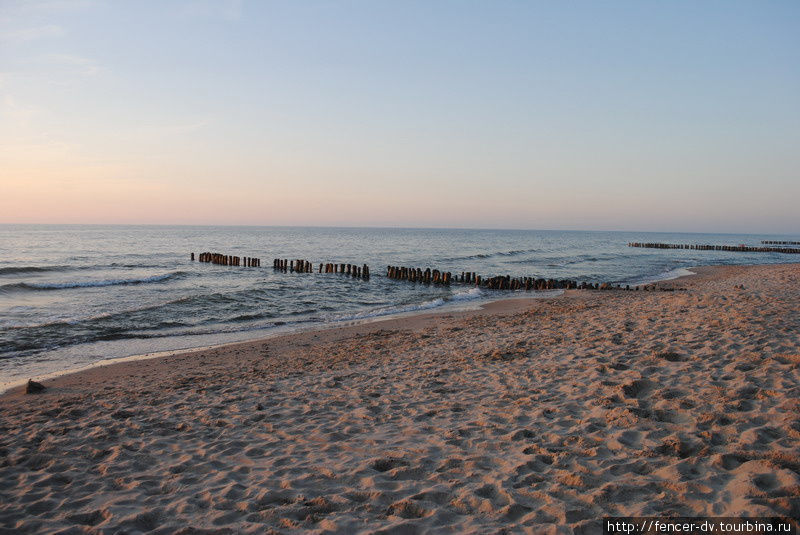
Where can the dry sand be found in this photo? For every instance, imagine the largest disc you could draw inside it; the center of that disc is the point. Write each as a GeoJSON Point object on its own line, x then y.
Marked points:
{"type": "Point", "coordinates": [530, 416]}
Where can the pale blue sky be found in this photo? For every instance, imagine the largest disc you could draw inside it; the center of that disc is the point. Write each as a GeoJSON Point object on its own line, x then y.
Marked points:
{"type": "Point", "coordinates": [577, 115]}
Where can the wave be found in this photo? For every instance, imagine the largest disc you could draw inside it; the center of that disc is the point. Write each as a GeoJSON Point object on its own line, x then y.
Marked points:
{"type": "Point", "coordinates": [21, 270]}
{"type": "Point", "coordinates": [131, 266]}
{"type": "Point", "coordinates": [33, 286]}
{"type": "Point", "coordinates": [515, 252]}
{"type": "Point", "coordinates": [249, 317]}
{"type": "Point", "coordinates": [31, 269]}
{"type": "Point", "coordinates": [568, 261]}
{"type": "Point", "coordinates": [663, 276]}
{"type": "Point", "coordinates": [467, 295]}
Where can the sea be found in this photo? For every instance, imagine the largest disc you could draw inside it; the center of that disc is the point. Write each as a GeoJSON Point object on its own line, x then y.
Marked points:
{"type": "Point", "coordinates": [75, 296]}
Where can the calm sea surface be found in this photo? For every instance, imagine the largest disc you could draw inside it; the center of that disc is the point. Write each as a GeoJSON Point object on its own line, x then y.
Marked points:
{"type": "Point", "coordinates": [73, 295]}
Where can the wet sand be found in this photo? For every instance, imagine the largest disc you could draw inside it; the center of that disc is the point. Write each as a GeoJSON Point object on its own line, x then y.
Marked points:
{"type": "Point", "coordinates": [528, 415]}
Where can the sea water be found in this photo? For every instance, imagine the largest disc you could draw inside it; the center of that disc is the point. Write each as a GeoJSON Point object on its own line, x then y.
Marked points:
{"type": "Point", "coordinates": [74, 295]}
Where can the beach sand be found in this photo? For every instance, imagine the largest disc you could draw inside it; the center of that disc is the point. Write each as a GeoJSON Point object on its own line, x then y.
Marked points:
{"type": "Point", "coordinates": [537, 416]}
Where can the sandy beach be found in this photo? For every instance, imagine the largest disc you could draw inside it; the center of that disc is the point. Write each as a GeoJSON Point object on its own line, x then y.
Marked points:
{"type": "Point", "coordinates": [530, 416]}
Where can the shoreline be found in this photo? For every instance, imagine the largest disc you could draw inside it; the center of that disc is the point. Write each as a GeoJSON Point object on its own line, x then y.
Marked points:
{"type": "Point", "coordinates": [534, 415]}
{"type": "Point", "coordinates": [271, 334]}
{"type": "Point", "coordinates": [266, 334]}
{"type": "Point", "coordinates": [346, 328]}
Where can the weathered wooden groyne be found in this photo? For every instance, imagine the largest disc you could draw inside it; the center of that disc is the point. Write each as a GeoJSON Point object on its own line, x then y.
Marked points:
{"type": "Point", "coordinates": [423, 276]}
{"type": "Point", "coordinates": [352, 270]}
{"type": "Point", "coordinates": [532, 283]}
{"type": "Point", "coordinates": [731, 248]}
{"type": "Point", "coordinates": [304, 266]}
{"type": "Point", "coordinates": [770, 242]}
{"type": "Point", "coordinates": [228, 260]}
{"type": "Point", "coordinates": [428, 276]}
{"type": "Point", "coordinates": [419, 275]}
{"type": "Point", "coordinates": [293, 266]}
{"type": "Point", "coordinates": [500, 282]}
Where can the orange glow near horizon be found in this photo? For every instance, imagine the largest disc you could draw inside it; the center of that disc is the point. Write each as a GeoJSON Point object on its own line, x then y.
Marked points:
{"type": "Point", "coordinates": [247, 117]}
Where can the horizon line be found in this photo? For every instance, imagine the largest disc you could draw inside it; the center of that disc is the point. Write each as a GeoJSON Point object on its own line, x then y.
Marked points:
{"type": "Point", "coordinates": [379, 227]}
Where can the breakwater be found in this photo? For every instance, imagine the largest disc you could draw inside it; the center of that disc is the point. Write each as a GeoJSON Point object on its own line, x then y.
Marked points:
{"type": "Point", "coordinates": [293, 266]}
{"type": "Point", "coordinates": [430, 275]}
{"type": "Point", "coordinates": [500, 282]}
{"type": "Point", "coordinates": [728, 248]}
{"type": "Point", "coordinates": [304, 266]}
{"type": "Point", "coordinates": [427, 275]}
{"type": "Point", "coordinates": [227, 260]}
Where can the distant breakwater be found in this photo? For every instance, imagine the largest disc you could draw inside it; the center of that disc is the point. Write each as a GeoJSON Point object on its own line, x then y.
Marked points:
{"type": "Point", "coordinates": [729, 248]}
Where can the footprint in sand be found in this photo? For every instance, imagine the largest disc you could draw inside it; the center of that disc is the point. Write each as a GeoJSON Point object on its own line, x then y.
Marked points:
{"type": "Point", "coordinates": [384, 465]}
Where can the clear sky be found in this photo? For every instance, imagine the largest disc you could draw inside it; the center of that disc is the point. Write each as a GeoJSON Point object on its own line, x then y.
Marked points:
{"type": "Point", "coordinates": [640, 115]}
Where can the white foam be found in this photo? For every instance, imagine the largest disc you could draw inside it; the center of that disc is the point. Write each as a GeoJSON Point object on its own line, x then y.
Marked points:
{"type": "Point", "coordinates": [472, 294]}
{"type": "Point", "coordinates": [90, 284]}
{"type": "Point", "coordinates": [469, 299]}
{"type": "Point", "coordinates": [665, 276]}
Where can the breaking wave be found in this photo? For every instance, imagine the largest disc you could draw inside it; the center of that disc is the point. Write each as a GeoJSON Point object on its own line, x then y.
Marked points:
{"type": "Point", "coordinates": [490, 255]}
{"type": "Point", "coordinates": [31, 269]}
{"type": "Point", "coordinates": [35, 286]}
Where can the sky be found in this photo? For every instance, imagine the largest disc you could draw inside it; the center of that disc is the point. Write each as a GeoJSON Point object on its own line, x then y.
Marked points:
{"type": "Point", "coordinates": [619, 115]}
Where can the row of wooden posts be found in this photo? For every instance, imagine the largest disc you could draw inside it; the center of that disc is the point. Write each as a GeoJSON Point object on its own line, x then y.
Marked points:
{"type": "Point", "coordinates": [228, 260]}
{"type": "Point", "coordinates": [435, 276]}
{"type": "Point", "coordinates": [426, 276]}
{"type": "Point", "coordinates": [359, 272]}
{"type": "Point", "coordinates": [732, 248]}
{"type": "Point", "coordinates": [769, 242]}
{"type": "Point", "coordinates": [531, 283]}
{"type": "Point", "coordinates": [293, 266]}
{"type": "Point", "coordinates": [304, 266]}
